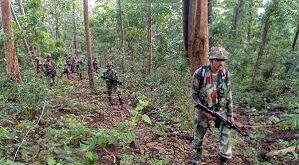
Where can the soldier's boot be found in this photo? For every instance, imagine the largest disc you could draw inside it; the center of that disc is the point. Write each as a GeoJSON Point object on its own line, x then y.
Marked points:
{"type": "Point", "coordinates": [223, 160]}
{"type": "Point", "coordinates": [110, 101]}
{"type": "Point", "coordinates": [120, 100]}
{"type": "Point", "coordinates": [196, 158]}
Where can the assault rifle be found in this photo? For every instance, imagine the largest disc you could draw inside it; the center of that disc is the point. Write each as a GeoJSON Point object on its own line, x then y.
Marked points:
{"type": "Point", "coordinates": [220, 119]}
{"type": "Point", "coordinates": [112, 80]}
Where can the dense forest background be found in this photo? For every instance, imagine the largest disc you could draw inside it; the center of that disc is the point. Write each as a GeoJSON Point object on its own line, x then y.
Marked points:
{"type": "Point", "coordinates": [68, 123]}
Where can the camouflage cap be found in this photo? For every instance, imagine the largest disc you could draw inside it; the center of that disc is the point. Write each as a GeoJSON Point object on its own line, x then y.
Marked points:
{"type": "Point", "coordinates": [218, 53]}
{"type": "Point", "coordinates": [109, 64]}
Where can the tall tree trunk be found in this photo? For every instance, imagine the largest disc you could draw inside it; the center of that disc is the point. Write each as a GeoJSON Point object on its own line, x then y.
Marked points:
{"type": "Point", "coordinates": [198, 44]}
{"type": "Point", "coordinates": [9, 48]}
{"type": "Point", "coordinates": [21, 8]}
{"type": "Point", "coordinates": [210, 20]}
{"type": "Point", "coordinates": [57, 35]}
{"type": "Point", "coordinates": [75, 29]}
{"type": "Point", "coordinates": [121, 30]}
{"type": "Point", "coordinates": [185, 24]}
{"type": "Point", "coordinates": [295, 38]}
{"type": "Point", "coordinates": [250, 21]}
{"type": "Point", "coordinates": [149, 38]}
{"type": "Point", "coordinates": [24, 39]}
{"type": "Point", "coordinates": [236, 18]}
{"type": "Point", "coordinates": [0, 18]}
{"type": "Point", "coordinates": [88, 46]}
{"type": "Point", "coordinates": [264, 34]}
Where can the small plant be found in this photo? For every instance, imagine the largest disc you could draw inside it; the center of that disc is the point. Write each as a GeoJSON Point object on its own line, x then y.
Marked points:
{"type": "Point", "coordinates": [291, 120]}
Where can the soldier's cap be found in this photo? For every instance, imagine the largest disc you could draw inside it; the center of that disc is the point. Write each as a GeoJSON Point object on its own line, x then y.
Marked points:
{"type": "Point", "coordinates": [218, 53]}
{"type": "Point", "coordinates": [109, 64]}
{"type": "Point", "coordinates": [48, 55]}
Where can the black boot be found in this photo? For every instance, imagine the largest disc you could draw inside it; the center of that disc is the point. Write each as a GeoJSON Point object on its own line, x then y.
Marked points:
{"type": "Point", "coordinates": [109, 101]}
{"type": "Point", "coordinates": [223, 160]}
{"type": "Point", "coordinates": [196, 158]}
{"type": "Point", "coordinates": [120, 101]}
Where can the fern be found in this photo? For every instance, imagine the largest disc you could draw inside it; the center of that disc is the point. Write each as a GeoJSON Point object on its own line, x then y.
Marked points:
{"type": "Point", "coordinates": [292, 120]}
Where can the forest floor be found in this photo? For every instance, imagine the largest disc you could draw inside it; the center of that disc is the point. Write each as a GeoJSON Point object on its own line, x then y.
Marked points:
{"type": "Point", "coordinates": [174, 144]}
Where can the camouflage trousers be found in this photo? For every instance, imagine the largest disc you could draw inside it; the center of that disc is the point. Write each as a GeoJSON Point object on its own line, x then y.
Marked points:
{"type": "Point", "coordinates": [51, 77]}
{"type": "Point", "coordinates": [113, 88]}
{"type": "Point", "coordinates": [200, 128]}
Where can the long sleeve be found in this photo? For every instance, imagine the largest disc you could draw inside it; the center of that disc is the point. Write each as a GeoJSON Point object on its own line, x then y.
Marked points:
{"type": "Point", "coordinates": [195, 89]}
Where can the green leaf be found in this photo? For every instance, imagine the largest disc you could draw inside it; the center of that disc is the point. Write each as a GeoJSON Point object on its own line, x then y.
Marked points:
{"type": "Point", "coordinates": [146, 118]}
{"type": "Point", "coordinates": [51, 161]}
{"type": "Point", "coordinates": [90, 155]}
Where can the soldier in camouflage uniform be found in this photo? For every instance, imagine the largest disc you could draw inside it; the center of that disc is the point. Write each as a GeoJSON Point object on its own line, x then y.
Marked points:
{"type": "Point", "coordinates": [111, 86]}
{"type": "Point", "coordinates": [211, 87]}
{"type": "Point", "coordinates": [67, 67]}
{"type": "Point", "coordinates": [95, 65]}
{"type": "Point", "coordinates": [38, 66]}
{"type": "Point", "coordinates": [50, 69]}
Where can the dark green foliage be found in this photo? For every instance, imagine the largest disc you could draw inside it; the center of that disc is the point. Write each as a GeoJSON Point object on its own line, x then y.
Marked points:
{"type": "Point", "coordinates": [27, 97]}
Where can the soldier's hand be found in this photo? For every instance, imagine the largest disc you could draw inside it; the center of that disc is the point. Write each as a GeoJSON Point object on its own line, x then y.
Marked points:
{"type": "Point", "coordinates": [208, 116]}
{"type": "Point", "coordinates": [231, 120]}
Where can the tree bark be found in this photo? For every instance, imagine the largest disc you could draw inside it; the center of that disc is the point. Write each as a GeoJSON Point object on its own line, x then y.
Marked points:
{"type": "Point", "coordinates": [198, 44]}
{"type": "Point", "coordinates": [210, 21]}
{"type": "Point", "coordinates": [12, 62]}
{"type": "Point", "coordinates": [185, 24]}
{"type": "Point", "coordinates": [295, 38]}
{"type": "Point", "coordinates": [24, 39]}
{"type": "Point", "coordinates": [75, 29]}
{"type": "Point", "coordinates": [250, 21]}
{"type": "Point", "coordinates": [149, 38]}
{"type": "Point", "coordinates": [121, 30]}
{"type": "Point", "coordinates": [283, 151]}
{"type": "Point", "coordinates": [236, 18]}
{"type": "Point", "coordinates": [264, 34]}
{"type": "Point", "coordinates": [88, 46]}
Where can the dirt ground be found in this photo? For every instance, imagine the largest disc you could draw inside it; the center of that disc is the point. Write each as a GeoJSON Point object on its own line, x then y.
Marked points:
{"type": "Point", "coordinates": [174, 144]}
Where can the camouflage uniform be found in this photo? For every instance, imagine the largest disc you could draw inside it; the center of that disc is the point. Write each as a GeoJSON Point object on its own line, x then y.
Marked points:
{"type": "Point", "coordinates": [67, 68]}
{"type": "Point", "coordinates": [213, 91]}
{"type": "Point", "coordinates": [39, 66]}
{"type": "Point", "coordinates": [50, 70]}
{"type": "Point", "coordinates": [95, 65]}
{"type": "Point", "coordinates": [112, 86]}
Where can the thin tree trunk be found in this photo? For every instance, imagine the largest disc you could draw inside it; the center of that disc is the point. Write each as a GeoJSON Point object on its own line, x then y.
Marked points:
{"type": "Point", "coordinates": [24, 39]}
{"type": "Point", "coordinates": [264, 34]}
{"type": "Point", "coordinates": [198, 44]}
{"type": "Point", "coordinates": [236, 18]}
{"type": "Point", "coordinates": [57, 35]}
{"type": "Point", "coordinates": [88, 46]}
{"type": "Point", "coordinates": [250, 20]}
{"type": "Point", "coordinates": [9, 48]}
{"type": "Point", "coordinates": [75, 29]}
{"type": "Point", "coordinates": [121, 29]}
{"type": "Point", "coordinates": [149, 38]}
{"type": "Point", "coordinates": [295, 38]}
{"type": "Point", "coordinates": [185, 24]}
{"type": "Point", "coordinates": [282, 152]}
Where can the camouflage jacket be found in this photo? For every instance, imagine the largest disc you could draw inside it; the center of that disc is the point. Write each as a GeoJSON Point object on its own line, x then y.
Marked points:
{"type": "Point", "coordinates": [49, 67]}
{"type": "Point", "coordinates": [212, 90]}
{"type": "Point", "coordinates": [111, 75]}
